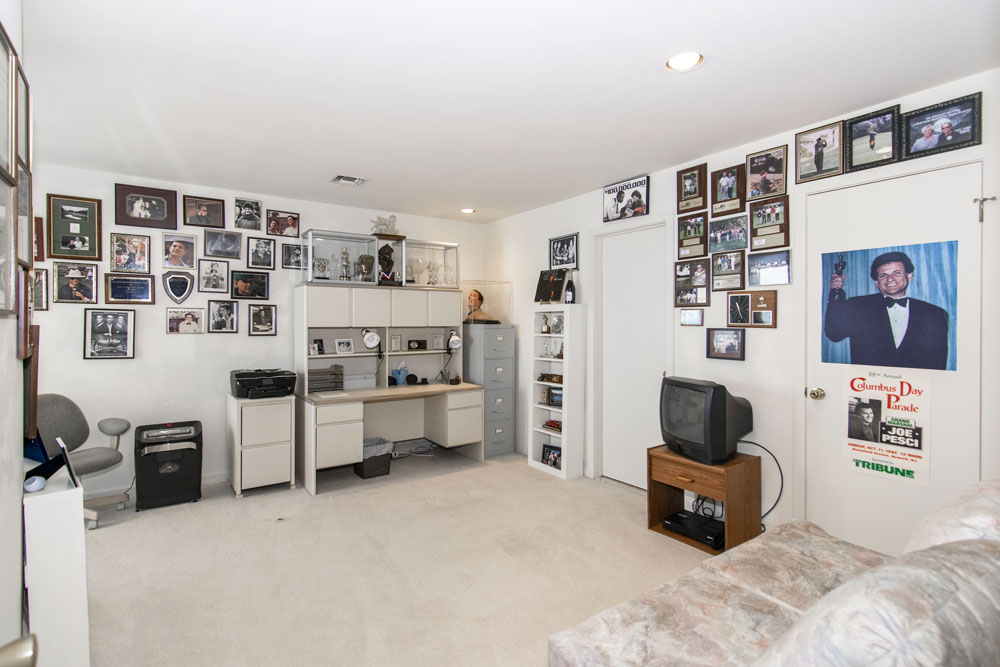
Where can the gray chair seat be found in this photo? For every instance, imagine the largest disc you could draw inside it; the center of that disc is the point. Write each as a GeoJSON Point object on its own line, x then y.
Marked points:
{"type": "Point", "coordinates": [92, 459]}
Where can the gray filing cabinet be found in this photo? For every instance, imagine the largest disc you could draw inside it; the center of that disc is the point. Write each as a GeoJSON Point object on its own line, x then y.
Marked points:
{"type": "Point", "coordinates": [488, 360]}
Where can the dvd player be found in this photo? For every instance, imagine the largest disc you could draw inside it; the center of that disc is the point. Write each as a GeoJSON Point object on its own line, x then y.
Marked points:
{"type": "Point", "coordinates": [703, 529]}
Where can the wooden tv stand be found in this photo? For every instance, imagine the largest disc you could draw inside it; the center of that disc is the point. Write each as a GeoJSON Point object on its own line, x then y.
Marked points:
{"type": "Point", "coordinates": [735, 482]}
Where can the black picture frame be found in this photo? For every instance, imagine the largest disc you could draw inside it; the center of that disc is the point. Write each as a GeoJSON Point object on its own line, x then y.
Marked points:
{"type": "Point", "coordinates": [263, 319]}
{"type": "Point", "coordinates": [248, 285]}
{"type": "Point", "coordinates": [214, 214]}
{"type": "Point", "coordinates": [620, 201]}
{"type": "Point", "coordinates": [552, 456]}
{"type": "Point", "coordinates": [260, 253]}
{"type": "Point", "coordinates": [291, 256]}
{"type": "Point", "coordinates": [564, 252]}
{"type": "Point", "coordinates": [963, 114]}
{"type": "Point", "coordinates": [74, 227]}
{"type": "Point", "coordinates": [108, 333]}
{"type": "Point", "coordinates": [729, 344]}
{"type": "Point", "coordinates": [247, 214]}
{"type": "Point", "coordinates": [872, 140]}
{"type": "Point", "coordinates": [223, 317]}
{"type": "Point", "coordinates": [282, 223]}
{"type": "Point", "coordinates": [138, 206]}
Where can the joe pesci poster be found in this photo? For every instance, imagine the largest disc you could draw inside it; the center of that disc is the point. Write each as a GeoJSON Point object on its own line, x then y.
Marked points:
{"type": "Point", "coordinates": [888, 423]}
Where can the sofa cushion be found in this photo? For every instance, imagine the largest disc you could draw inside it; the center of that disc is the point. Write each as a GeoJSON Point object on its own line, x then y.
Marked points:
{"type": "Point", "coordinates": [973, 513]}
{"type": "Point", "coordinates": [939, 606]}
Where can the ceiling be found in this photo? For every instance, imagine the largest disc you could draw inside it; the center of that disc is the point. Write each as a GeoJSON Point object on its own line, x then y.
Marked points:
{"type": "Point", "coordinates": [500, 106]}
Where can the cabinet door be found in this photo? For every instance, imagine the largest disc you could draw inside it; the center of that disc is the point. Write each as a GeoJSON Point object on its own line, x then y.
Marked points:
{"type": "Point", "coordinates": [409, 308]}
{"type": "Point", "coordinates": [339, 444]}
{"type": "Point", "coordinates": [445, 309]}
{"type": "Point", "coordinates": [371, 307]}
{"type": "Point", "coordinates": [328, 306]}
{"type": "Point", "coordinates": [267, 423]}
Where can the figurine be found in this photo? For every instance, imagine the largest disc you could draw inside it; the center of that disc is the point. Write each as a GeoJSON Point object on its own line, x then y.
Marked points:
{"type": "Point", "coordinates": [386, 276]}
{"type": "Point", "coordinates": [320, 269]}
{"type": "Point", "coordinates": [545, 324]}
{"type": "Point", "coordinates": [545, 349]}
{"type": "Point", "coordinates": [367, 264]}
{"type": "Point", "coordinates": [560, 355]}
{"type": "Point", "coordinates": [382, 225]}
{"type": "Point", "coordinates": [432, 273]}
{"type": "Point", "coordinates": [345, 264]}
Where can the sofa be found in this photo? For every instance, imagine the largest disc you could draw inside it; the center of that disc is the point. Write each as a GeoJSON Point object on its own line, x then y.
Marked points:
{"type": "Point", "coordinates": [799, 596]}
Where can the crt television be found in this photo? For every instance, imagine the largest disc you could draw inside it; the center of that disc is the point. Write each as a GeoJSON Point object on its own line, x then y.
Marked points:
{"type": "Point", "coordinates": [701, 420]}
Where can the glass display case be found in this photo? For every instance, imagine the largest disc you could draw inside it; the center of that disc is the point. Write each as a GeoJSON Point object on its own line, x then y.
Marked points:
{"type": "Point", "coordinates": [431, 264]}
{"type": "Point", "coordinates": [339, 257]}
{"type": "Point", "coordinates": [493, 298]}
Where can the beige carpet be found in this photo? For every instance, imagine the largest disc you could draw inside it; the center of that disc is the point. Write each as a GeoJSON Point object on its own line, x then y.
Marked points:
{"type": "Point", "coordinates": [442, 562]}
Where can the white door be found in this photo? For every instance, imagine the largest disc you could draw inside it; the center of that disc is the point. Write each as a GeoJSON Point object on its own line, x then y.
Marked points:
{"type": "Point", "coordinates": [634, 343]}
{"type": "Point", "coordinates": [878, 508]}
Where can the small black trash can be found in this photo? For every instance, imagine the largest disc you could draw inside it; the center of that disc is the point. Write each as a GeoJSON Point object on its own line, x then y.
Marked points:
{"type": "Point", "coordinates": [167, 464]}
{"type": "Point", "coordinates": [377, 455]}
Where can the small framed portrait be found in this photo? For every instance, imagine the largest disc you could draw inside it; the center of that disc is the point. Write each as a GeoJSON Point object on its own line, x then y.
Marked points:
{"type": "Point", "coordinates": [38, 239]}
{"type": "Point", "coordinates": [943, 127]}
{"type": "Point", "coordinates": [727, 270]}
{"type": "Point", "coordinates": [692, 317]}
{"type": "Point", "coordinates": [248, 285]}
{"type": "Point", "coordinates": [872, 140]}
{"type": "Point", "coordinates": [728, 233]}
{"type": "Point", "coordinates": [185, 320]}
{"type": "Point", "coordinates": [753, 309]}
{"type": "Point", "coordinates": [204, 212]}
{"type": "Point", "coordinates": [108, 334]}
{"type": "Point", "coordinates": [40, 289]}
{"type": "Point", "coordinates": [318, 345]}
{"type": "Point", "coordinates": [139, 206]}
{"type": "Point", "coordinates": [282, 223]}
{"type": "Point", "coordinates": [179, 251]}
{"type": "Point", "coordinates": [291, 256]}
{"type": "Point", "coordinates": [563, 252]}
{"type": "Point", "coordinates": [260, 253]}
{"type": "Point", "coordinates": [552, 456]}
{"type": "Point", "coordinates": [729, 189]}
{"type": "Point", "coordinates": [627, 199]}
{"type": "Point", "coordinates": [213, 275]}
{"type": "Point", "coordinates": [692, 236]}
{"type": "Point", "coordinates": [766, 173]}
{"type": "Point", "coordinates": [726, 344]}
{"type": "Point", "coordinates": [129, 253]}
{"type": "Point", "coordinates": [222, 317]}
{"type": "Point", "coordinates": [691, 283]}
{"type": "Point", "coordinates": [818, 152]}
{"type": "Point", "coordinates": [128, 289]}
{"type": "Point", "coordinates": [226, 245]}
{"type": "Point", "coordinates": [263, 320]}
{"type": "Point", "coordinates": [769, 268]}
{"type": "Point", "coordinates": [25, 251]}
{"type": "Point", "coordinates": [692, 188]}
{"type": "Point", "coordinates": [74, 227]}
{"type": "Point", "coordinates": [344, 346]}
{"type": "Point", "coordinates": [395, 343]}
{"type": "Point", "coordinates": [248, 214]}
{"type": "Point", "coordinates": [74, 283]}
{"type": "Point", "coordinates": [769, 220]}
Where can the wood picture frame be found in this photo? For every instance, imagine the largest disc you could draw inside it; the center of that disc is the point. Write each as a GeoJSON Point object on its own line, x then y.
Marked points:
{"type": "Point", "coordinates": [129, 289]}
{"type": "Point", "coordinates": [766, 173]}
{"type": "Point", "coordinates": [74, 228]}
{"type": "Point", "coordinates": [729, 189]}
{"type": "Point", "coordinates": [819, 152]}
{"type": "Point", "coordinates": [204, 212]}
{"type": "Point", "coordinates": [692, 188]}
{"type": "Point", "coordinates": [626, 199]}
{"type": "Point", "coordinates": [769, 268]}
{"type": "Point", "coordinates": [38, 239]}
{"type": "Point", "coordinates": [691, 283]}
{"type": "Point", "coordinates": [769, 223]}
{"type": "Point", "coordinates": [108, 333]}
{"type": "Point", "coordinates": [728, 269]}
{"type": "Point", "coordinates": [263, 319]}
{"type": "Point", "coordinates": [729, 344]}
{"type": "Point", "coordinates": [692, 235]}
{"type": "Point", "coordinates": [953, 124]}
{"type": "Point", "coordinates": [139, 206]}
{"type": "Point", "coordinates": [756, 309]}
{"type": "Point", "coordinates": [872, 139]}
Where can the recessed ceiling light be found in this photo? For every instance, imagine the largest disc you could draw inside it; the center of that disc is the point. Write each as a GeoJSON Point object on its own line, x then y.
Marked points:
{"type": "Point", "coordinates": [468, 210]}
{"type": "Point", "coordinates": [685, 62]}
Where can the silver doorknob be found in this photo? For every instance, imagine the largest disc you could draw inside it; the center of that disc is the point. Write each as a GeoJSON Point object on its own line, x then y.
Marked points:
{"type": "Point", "coordinates": [817, 393]}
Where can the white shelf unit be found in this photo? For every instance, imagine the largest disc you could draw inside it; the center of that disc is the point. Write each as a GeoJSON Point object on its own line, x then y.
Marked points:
{"type": "Point", "coordinates": [545, 351]}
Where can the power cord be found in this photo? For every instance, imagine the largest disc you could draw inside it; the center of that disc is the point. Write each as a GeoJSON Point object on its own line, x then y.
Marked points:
{"type": "Point", "coordinates": [715, 512]}
{"type": "Point", "coordinates": [781, 477]}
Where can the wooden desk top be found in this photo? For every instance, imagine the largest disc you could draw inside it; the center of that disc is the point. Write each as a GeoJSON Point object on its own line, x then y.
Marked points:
{"type": "Point", "coordinates": [381, 394]}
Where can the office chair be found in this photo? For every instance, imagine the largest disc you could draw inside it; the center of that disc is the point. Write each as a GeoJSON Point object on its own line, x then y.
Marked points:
{"type": "Point", "coordinates": [59, 417]}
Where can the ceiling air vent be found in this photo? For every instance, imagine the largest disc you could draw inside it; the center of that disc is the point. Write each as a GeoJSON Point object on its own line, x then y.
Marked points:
{"type": "Point", "coordinates": [340, 179]}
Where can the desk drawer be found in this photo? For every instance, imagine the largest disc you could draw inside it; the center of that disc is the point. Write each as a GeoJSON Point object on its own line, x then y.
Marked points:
{"type": "Point", "coordinates": [271, 464]}
{"type": "Point", "coordinates": [498, 437]}
{"type": "Point", "coordinates": [464, 399]}
{"type": "Point", "coordinates": [339, 444]}
{"type": "Point", "coordinates": [708, 482]}
{"type": "Point", "coordinates": [465, 426]}
{"type": "Point", "coordinates": [498, 404]}
{"type": "Point", "coordinates": [344, 412]}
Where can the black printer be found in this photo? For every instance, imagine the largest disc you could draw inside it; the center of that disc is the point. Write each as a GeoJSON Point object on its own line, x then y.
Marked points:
{"type": "Point", "coordinates": [261, 382]}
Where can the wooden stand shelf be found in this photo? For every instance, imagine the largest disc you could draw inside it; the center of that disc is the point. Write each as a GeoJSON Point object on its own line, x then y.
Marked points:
{"type": "Point", "coordinates": [735, 482]}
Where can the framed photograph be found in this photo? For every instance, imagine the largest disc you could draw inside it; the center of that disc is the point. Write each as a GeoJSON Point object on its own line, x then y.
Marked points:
{"type": "Point", "coordinates": [138, 206]}
{"type": "Point", "coordinates": [204, 212]}
{"type": "Point", "coordinates": [552, 456]}
{"type": "Point", "coordinates": [213, 275]}
{"type": "Point", "coordinates": [725, 344]}
{"type": "Point", "coordinates": [691, 283]}
{"type": "Point", "coordinates": [282, 223]}
{"type": "Point", "coordinates": [8, 158]}
{"type": "Point", "coordinates": [185, 320]}
{"type": "Point", "coordinates": [25, 249]}
{"type": "Point", "coordinates": [728, 234]}
{"type": "Point", "coordinates": [318, 344]}
{"type": "Point", "coordinates": [179, 251]}
{"type": "Point", "coordinates": [108, 334]}
{"type": "Point", "coordinates": [766, 173]}
{"type": "Point", "coordinates": [753, 309]}
{"type": "Point", "coordinates": [344, 345]}
{"type": "Point", "coordinates": [74, 227]}
{"type": "Point", "coordinates": [74, 283]}
{"type": "Point", "coordinates": [727, 270]}
{"type": "Point", "coordinates": [818, 152]}
{"type": "Point", "coordinates": [692, 236]}
{"type": "Point", "coordinates": [692, 188]}
{"type": "Point", "coordinates": [313, 349]}
{"type": "Point", "coordinates": [226, 245]}
{"type": "Point", "coordinates": [692, 317]}
{"type": "Point", "coordinates": [291, 256]}
{"type": "Point", "coordinates": [943, 127]}
{"type": "Point", "coordinates": [38, 239]}
{"type": "Point", "coordinates": [128, 289]}
{"type": "Point", "coordinates": [769, 220]}
{"type": "Point", "coordinates": [222, 317]}
{"type": "Point", "coordinates": [769, 268]}
{"type": "Point", "coordinates": [248, 285]}
{"type": "Point", "coordinates": [872, 140]}
{"type": "Point", "coordinates": [627, 199]}
{"type": "Point", "coordinates": [23, 118]}
{"type": "Point", "coordinates": [563, 252]}
{"type": "Point", "coordinates": [260, 253]}
{"type": "Point", "coordinates": [40, 289]}
{"type": "Point", "coordinates": [395, 343]}
{"type": "Point", "coordinates": [129, 253]}
{"type": "Point", "coordinates": [263, 320]}
{"type": "Point", "coordinates": [248, 214]}
{"type": "Point", "coordinates": [729, 189]}
{"type": "Point", "coordinates": [24, 309]}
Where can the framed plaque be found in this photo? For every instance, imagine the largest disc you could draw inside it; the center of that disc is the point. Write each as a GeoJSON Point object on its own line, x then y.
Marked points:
{"type": "Point", "coordinates": [769, 223]}
{"type": "Point", "coordinates": [692, 236]}
{"type": "Point", "coordinates": [692, 188]}
{"type": "Point", "coordinates": [729, 189]}
{"type": "Point", "coordinates": [766, 173]}
{"type": "Point", "coordinates": [727, 270]}
{"type": "Point", "coordinates": [691, 283]}
{"type": "Point", "coordinates": [757, 309]}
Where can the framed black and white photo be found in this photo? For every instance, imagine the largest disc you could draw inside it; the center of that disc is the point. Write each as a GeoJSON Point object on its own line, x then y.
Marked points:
{"type": "Point", "coordinates": [179, 251]}
{"type": "Point", "coordinates": [226, 245]}
{"type": "Point", "coordinates": [729, 189]}
{"type": "Point", "coordinates": [728, 234]}
{"type": "Point", "coordinates": [128, 289]}
{"type": "Point", "coordinates": [692, 317]}
{"type": "Point", "coordinates": [766, 173]}
{"type": "Point", "coordinates": [943, 127]}
{"type": "Point", "coordinates": [248, 285]}
{"type": "Point", "coordinates": [627, 199]}
{"type": "Point", "coordinates": [74, 283]}
{"type": "Point", "coordinates": [213, 275]}
{"type": "Point", "coordinates": [552, 456]}
{"type": "Point", "coordinates": [263, 320]}
{"type": "Point", "coordinates": [204, 212]}
{"type": "Point", "coordinates": [40, 289]}
{"type": "Point", "coordinates": [726, 344]}
{"type": "Point", "coordinates": [291, 256]}
{"type": "Point", "coordinates": [139, 206]}
{"type": "Point", "coordinates": [222, 317]}
{"type": "Point", "coordinates": [282, 223]}
{"type": "Point", "coordinates": [727, 270]}
{"type": "Point", "coordinates": [563, 252]}
{"type": "Point", "coordinates": [692, 188]}
{"type": "Point", "coordinates": [185, 320]}
{"type": "Point", "coordinates": [818, 153]}
{"type": "Point", "coordinates": [74, 227]}
{"type": "Point", "coordinates": [769, 268]}
{"type": "Point", "coordinates": [108, 334]}
{"type": "Point", "coordinates": [260, 253]}
{"type": "Point", "coordinates": [344, 345]}
{"type": "Point", "coordinates": [872, 140]}
{"type": "Point", "coordinates": [248, 214]}
{"type": "Point", "coordinates": [129, 253]}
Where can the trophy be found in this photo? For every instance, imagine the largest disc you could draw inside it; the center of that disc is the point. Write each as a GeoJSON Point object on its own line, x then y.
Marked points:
{"type": "Point", "coordinates": [545, 324]}
{"type": "Point", "coordinates": [367, 265]}
{"type": "Point", "coordinates": [345, 264]}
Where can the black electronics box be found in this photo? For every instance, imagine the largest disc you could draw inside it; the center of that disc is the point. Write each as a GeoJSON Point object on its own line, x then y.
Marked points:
{"type": "Point", "coordinates": [167, 464]}
{"type": "Point", "coordinates": [417, 344]}
{"type": "Point", "coordinates": [261, 383]}
{"type": "Point", "coordinates": [699, 528]}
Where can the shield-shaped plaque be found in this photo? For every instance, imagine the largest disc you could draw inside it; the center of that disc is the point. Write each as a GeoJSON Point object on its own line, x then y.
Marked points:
{"type": "Point", "coordinates": [178, 285]}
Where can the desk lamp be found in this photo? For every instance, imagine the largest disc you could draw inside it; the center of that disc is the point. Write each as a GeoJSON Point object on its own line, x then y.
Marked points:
{"type": "Point", "coordinates": [371, 339]}
{"type": "Point", "coordinates": [454, 341]}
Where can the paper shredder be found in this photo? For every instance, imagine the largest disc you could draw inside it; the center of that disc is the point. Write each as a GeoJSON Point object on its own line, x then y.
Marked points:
{"type": "Point", "coordinates": [167, 464]}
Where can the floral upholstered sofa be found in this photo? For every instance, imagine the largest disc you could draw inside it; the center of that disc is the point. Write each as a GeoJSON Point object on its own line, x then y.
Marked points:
{"type": "Point", "coordinates": [798, 596]}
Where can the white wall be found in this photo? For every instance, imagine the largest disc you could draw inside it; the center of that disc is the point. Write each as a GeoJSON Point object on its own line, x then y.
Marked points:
{"type": "Point", "coordinates": [772, 376]}
{"type": "Point", "coordinates": [186, 377]}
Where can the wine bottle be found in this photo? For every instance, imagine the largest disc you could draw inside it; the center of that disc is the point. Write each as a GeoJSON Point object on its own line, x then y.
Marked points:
{"type": "Point", "coordinates": [570, 295]}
